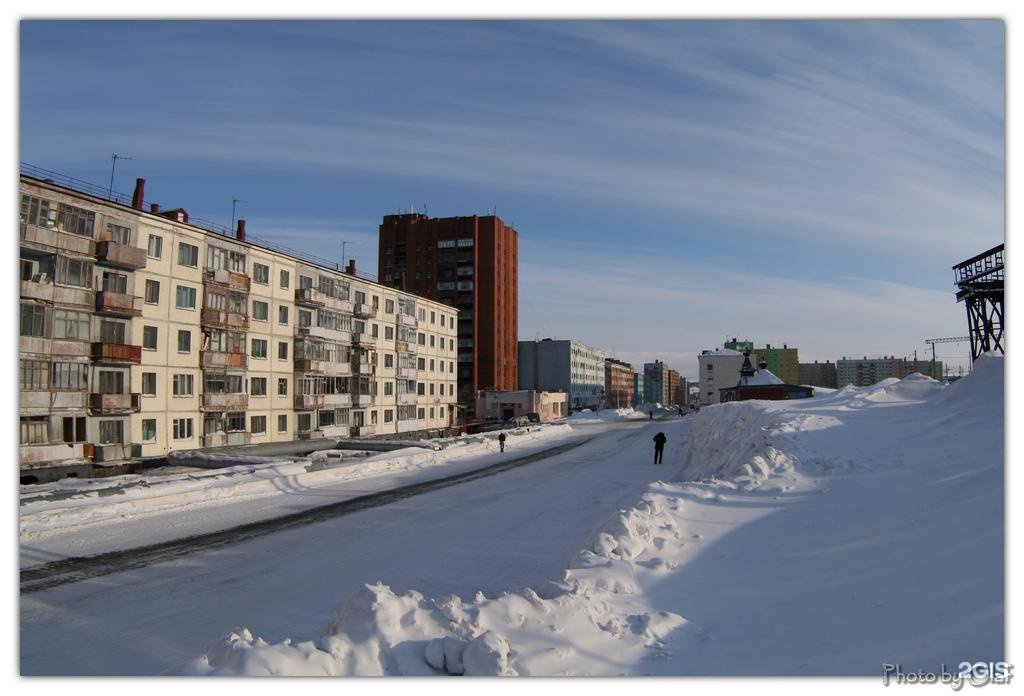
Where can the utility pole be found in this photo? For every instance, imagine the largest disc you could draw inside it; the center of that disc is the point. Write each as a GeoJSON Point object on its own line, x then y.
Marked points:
{"type": "Point", "coordinates": [234, 203]}
{"type": "Point", "coordinates": [113, 163]}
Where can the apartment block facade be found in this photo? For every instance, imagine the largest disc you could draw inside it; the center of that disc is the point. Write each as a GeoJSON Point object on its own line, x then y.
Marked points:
{"type": "Point", "coordinates": [470, 263]}
{"type": "Point", "coordinates": [656, 383]}
{"type": "Point", "coordinates": [618, 384]}
{"type": "Point", "coordinates": [817, 374]}
{"type": "Point", "coordinates": [143, 333]}
{"type": "Point", "coordinates": [569, 366]}
{"type": "Point", "coordinates": [783, 362]}
{"type": "Point", "coordinates": [718, 368]}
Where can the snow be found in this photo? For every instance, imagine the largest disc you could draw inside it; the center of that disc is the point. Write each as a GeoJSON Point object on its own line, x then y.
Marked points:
{"type": "Point", "coordinates": [609, 415]}
{"type": "Point", "coordinates": [760, 378]}
{"type": "Point", "coordinates": [817, 536]}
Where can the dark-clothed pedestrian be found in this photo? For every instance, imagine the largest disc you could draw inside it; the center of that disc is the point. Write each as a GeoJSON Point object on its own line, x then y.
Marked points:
{"type": "Point", "coordinates": [652, 413]}
{"type": "Point", "coordinates": [659, 447]}
{"type": "Point", "coordinates": [501, 441]}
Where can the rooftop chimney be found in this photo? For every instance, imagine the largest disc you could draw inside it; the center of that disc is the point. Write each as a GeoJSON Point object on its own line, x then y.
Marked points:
{"type": "Point", "coordinates": [240, 231]}
{"type": "Point", "coordinates": [140, 188]}
{"type": "Point", "coordinates": [154, 208]}
{"type": "Point", "coordinates": [351, 268]}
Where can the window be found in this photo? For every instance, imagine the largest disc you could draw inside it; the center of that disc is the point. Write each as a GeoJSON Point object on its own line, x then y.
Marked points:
{"type": "Point", "coordinates": [282, 315]}
{"type": "Point", "coordinates": [152, 291]}
{"type": "Point", "coordinates": [261, 274]}
{"type": "Point", "coordinates": [33, 319]}
{"type": "Point", "coordinates": [420, 386]}
{"type": "Point", "coordinates": [421, 339]}
{"type": "Point", "coordinates": [389, 333]}
{"type": "Point", "coordinates": [259, 348]}
{"type": "Point", "coordinates": [389, 360]}
{"type": "Point", "coordinates": [35, 375]}
{"type": "Point", "coordinates": [305, 421]}
{"type": "Point", "coordinates": [431, 412]}
{"type": "Point", "coordinates": [155, 247]}
{"type": "Point", "coordinates": [149, 337]}
{"type": "Point", "coordinates": [182, 385]}
{"type": "Point", "coordinates": [188, 255]}
{"type": "Point", "coordinates": [433, 317]}
{"type": "Point", "coordinates": [282, 424]}
{"type": "Point", "coordinates": [113, 331]}
{"type": "Point", "coordinates": [182, 428]}
{"type": "Point", "coordinates": [305, 318]}
{"type": "Point", "coordinates": [389, 306]}
{"type": "Point", "coordinates": [463, 243]}
{"type": "Point", "coordinates": [69, 376]}
{"type": "Point", "coordinates": [360, 297]}
{"type": "Point", "coordinates": [115, 282]}
{"type": "Point", "coordinates": [38, 211]}
{"type": "Point", "coordinates": [74, 272]}
{"type": "Point", "coordinates": [184, 341]}
{"type": "Point", "coordinates": [389, 415]}
{"type": "Point", "coordinates": [258, 386]}
{"type": "Point", "coordinates": [431, 388]}
{"type": "Point", "coordinates": [259, 310]}
{"type": "Point", "coordinates": [258, 425]}
{"type": "Point", "coordinates": [284, 280]}
{"type": "Point", "coordinates": [68, 324]}
{"type": "Point", "coordinates": [432, 365]}
{"type": "Point", "coordinates": [235, 422]}
{"type": "Point", "coordinates": [389, 388]}
{"type": "Point", "coordinates": [111, 432]}
{"type": "Point", "coordinates": [35, 430]}
{"type": "Point", "coordinates": [282, 386]}
{"type": "Point", "coordinates": [421, 363]}
{"type": "Point", "coordinates": [446, 244]}
{"type": "Point", "coordinates": [119, 234]}
{"type": "Point", "coordinates": [73, 429]}
{"type": "Point", "coordinates": [431, 340]}
{"type": "Point", "coordinates": [149, 384]}
{"type": "Point", "coordinates": [186, 297]}
{"type": "Point", "coordinates": [148, 429]}
{"type": "Point", "coordinates": [75, 220]}
{"type": "Point", "coordinates": [421, 413]}
{"type": "Point", "coordinates": [282, 350]}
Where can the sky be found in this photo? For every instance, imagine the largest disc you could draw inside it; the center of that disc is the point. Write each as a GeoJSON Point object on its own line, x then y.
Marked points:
{"type": "Point", "coordinates": [674, 183]}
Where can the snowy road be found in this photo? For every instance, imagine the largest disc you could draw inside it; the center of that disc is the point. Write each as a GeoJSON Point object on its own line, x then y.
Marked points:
{"type": "Point", "coordinates": [502, 532]}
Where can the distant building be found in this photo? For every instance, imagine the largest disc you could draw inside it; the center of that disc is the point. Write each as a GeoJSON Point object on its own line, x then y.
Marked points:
{"type": "Point", "coordinates": [682, 392]}
{"type": "Point", "coordinates": [717, 369]}
{"type": "Point", "coordinates": [817, 374]}
{"type": "Point", "coordinates": [524, 402]}
{"type": "Point", "coordinates": [565, 365]}
{"type": "Point", "coordinates": [783, 362]}
{"type": "Point", "coordinates": [925, 367]}
{"type": "Point", "coordinates": [867, 371]}
{"type": "Point", "coordinates": [672, 395]}
{"type": "Point", "coordinates": [656, 383]}
{"type": "Point", "coordinates": [762, 384]}
{"type": "Point", "coordinates": [638, 388]}
{"type": "Point", "coordinates": [740, 346]}
{"type": "Point", "coordinates": [618, 383]}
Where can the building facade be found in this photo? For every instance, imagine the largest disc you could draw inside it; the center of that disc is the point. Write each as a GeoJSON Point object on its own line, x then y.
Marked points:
{"type": "Point", "coordinates": [866, 371]}
{"type": "Point", "coordinates": [817, 374]}
{"type": "Point", "coordinates": [672, 392]}
{"type": "Point", "coordinates": [569, 366]}
{"type": "Point", "coordinates": [638, 388]}
{"type": "Point", "coordinates": [718, 368]}
{"type": "Point", "coordinates": [143, 333]}
{"type": "Point", "coordinates": [618, 384]}
{"type": "Point", "coordinates": [504, 405]}
{"type": "Point", "coordinates": [470, 263]}
{"type": "Point", "coordinates": [783, 362]}
{"type": "Point", "coordinates": [656, 383]}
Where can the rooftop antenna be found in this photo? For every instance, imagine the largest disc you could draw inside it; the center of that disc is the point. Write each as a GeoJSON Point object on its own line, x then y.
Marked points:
{"type": "Point", "coordinates": [113, 163]}
{"type": "Point", "coordinates": [234, 203]}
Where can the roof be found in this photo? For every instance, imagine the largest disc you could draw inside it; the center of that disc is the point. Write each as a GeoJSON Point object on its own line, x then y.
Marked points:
{"type": "Point", "coordinates": [721, 351]}
{"type": "Point", "coordinates": [760, 378]}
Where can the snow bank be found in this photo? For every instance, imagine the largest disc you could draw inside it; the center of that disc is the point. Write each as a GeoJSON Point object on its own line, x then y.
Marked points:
{"type": "Point", "coordinates": [586, 416]}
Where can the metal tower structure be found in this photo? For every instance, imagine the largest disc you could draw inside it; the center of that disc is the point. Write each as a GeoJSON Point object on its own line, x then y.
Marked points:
{"type": "Point", "coordinates": [979, 283]}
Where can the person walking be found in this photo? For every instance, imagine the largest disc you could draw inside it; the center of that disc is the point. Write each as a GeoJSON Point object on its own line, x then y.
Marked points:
{"type": "Point", "coordinates": [501, 441]}
{"type": "Point", "coordinates": [652, 413]}
{"type": "Point", "coordinates": [659, 447]}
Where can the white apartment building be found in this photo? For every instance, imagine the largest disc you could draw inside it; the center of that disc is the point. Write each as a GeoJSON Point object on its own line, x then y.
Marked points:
{"type": "Point", "coordinates": [143, 333]}
{"type": "Point", "coordinates": [718, 369]}
{"type": "Point", "coordinates": [563, 365]}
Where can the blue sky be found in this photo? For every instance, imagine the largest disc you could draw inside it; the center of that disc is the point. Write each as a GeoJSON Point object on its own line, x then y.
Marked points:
{"type": "Point", "coordinates": [673, 182]}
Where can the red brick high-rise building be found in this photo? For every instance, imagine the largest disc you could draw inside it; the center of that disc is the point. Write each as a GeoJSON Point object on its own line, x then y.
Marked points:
{"type": "Point", "coordinates": [471, 263]}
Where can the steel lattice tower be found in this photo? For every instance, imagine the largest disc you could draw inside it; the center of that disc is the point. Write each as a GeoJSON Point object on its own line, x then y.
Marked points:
{"type": "Point", "coordinates": [979, 282]}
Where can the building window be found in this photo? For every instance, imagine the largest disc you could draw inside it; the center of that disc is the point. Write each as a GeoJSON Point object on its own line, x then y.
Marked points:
{"type": "Point", "coordinates": [389, 388]}
{"type": "Point", "coordinates": [149, 384]}
{"type": "Point", "coordinates": [282, 315]}
{"type": "Point", "coordinates": [282, 424]}
{"type": "Point", "coordinates": [184, 341]}
{"type": "Point", "coordinates": [185, 297]}
{"type": "Point", "coordinates": [35, 375]}
{"type": "Point", "coordinates": [433, 317]}
{"type": "Point", "coordinates": [259, 348]}
{"type": "Point", "coordinates": [421, 339]}
{"type": "Point", "coordinates": [421, 413]}
{"type": "Point", "coordinates": [282, 386]}
{"type": "Point", "coordinates": [282, 350]}
{"type": "Point", "coordinates": [261, 274]}
{"type": "Point", "coordinates": [420, 386]}
{"type": "Point", "coordinates": [389, 333]}
{"type": "Point", "coordinates": [389, 360]}
{"type": "Point", "coordinates": [149, 337]}
{"type": "Point", "coordinates": [235, 422]}
{"type": "Point", "coordinates": [188, 255]}
{"type": "Point", "coordinates": [35, 430]}
{"type": "Point", "coordinates": [152, 291]}
{"type": "Point", "coordinates": [74, 272]}
{"type": "Point", "coordinates": [182, 428]}
{"type": "Point", "coordinates": [421, 363]}
{"type": "Point", "coordinates": [148, 429]}
{"type": "Point", "coordinates": [155, 247]}
{"type": "Point", "coordinates": [38, 211]}
{"type": "Point", "coordinates": [115, 282]}
{"type": "Point", "coordinates": [259, 310]}
{"type": "Point", "coordinates": [182, 385]}
{"type": "Point", "coordinates": [284, 280]}
{"type": "Point", "coordinates": [73, 429]}
{"type": "Point", "coordinates": [73, 325]}
{"type": "Point", "coordinates": [111, 432]}
{"type": "Point", "coordinates": [33, 319]}
{"type": "Point", "coordinates": [69, 376]}
{"type": "Point", "coordinates": [119, 234]}
{"type": "Point", "coordinates": [258, 425]}
{"type": "Point", "coordinates": [258, 386]}
{"type": "Point", "coordinates": [389, 415]}
{"type": "Point", "coordinates": [389, 306]}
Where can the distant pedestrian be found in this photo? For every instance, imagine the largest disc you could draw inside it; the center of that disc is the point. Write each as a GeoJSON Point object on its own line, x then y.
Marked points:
{"type": "Point", "coordinates": [501, 441]}
{"type": "Point", "coordinates": [659, 447]}
{"type": "Point", "coordinates": [652, 413]}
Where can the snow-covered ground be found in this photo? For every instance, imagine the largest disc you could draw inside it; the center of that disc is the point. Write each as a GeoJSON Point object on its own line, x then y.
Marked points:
{"type": "Point", "coordinates": [824, 536]}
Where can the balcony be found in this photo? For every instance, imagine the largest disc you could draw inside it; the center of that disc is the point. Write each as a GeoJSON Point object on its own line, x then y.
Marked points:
{"type": "Point", "coordinates": [56, 452]}
{"type": "Point", "coordinates": [362, 368]}
{"type": "Point", "coordinates": [407, 399]}
{"type": "Point", "coordinates": [58, 294]}
{"type": "Point", "coordinates": [337, 400]}
{"type": "Point", "coordinates": [325, 333]}
{"type": "Point", "coordinates": [363, 430]}
{"type": "Point", "coordinates": [48, 239]}
{"type": "Point", "coordinates": [405, 347]}
{"type": "Point", "coordinates": [212, 359]}
{"type": "Point", "coordinates": [228, 279]}
{"type": "Point", "coordinates": [408, 320]}
{"type": "Point", "coordinates": [326, 367]}
{"type": "Point", "coordinates": [120, 255]}
{"type": "Point", "coordinates": [114, 403]}
{"type": "Point", "coordinates": [364, 310]}
{"type": "Point", "coordinates": [116, 353]}
{"type": "Point", "coordinates": [360, 400]}
{"type": "Point", "coordinates": [308, 402]}
{"type": "Point", "coordinates": [364, 339]}
{"type": "Point", "coordinates": [45, 402]}
{"type": "Point", "coordinates": [118, 304]}
{"type": "Point", "coordinates": [309, 297]}
{"type": "Point", "coordinates": [112, 452]}
{"type": "Point", "coordinates": [223, 439]}
{"type": "Point", "coordinates": [224, 402]}
{"type": "Point", "coordinates": [406, 372]}
{"type": "Point", "coordinates": [223, 319]}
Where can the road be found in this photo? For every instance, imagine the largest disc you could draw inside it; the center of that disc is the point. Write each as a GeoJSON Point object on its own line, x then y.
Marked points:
{"type": "Point", "coordinates": [505, 531]}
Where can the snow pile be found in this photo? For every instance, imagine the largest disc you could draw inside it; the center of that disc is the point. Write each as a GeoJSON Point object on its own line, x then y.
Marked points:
{"type": "Point", "coordinates": [842, 564]}
{"type": "Point", "coordinates": [586, 416]}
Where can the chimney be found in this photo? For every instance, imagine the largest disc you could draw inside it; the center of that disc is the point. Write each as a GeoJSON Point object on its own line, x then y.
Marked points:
{"type": "Point", "coordinates": [140, 188]}
{"type": "Point", "coordinates": [240, 231]}
{"type": "Point", "coordinates": [351, 268]}
{"type": "Point", "coordinates": [154, 208]}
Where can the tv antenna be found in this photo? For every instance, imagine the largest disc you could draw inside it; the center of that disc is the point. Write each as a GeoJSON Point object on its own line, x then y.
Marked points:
{"type": "Point", "coordinates": [234, 204]}
{"type": "Point", "coordinates": [113, 163]}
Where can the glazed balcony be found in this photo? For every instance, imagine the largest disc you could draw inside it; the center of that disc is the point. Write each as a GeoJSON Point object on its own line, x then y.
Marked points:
{"type": "Point", "coordinates": [326, 367]}
{"type": "Point", "coordinates": [407, 399]}
{"type": "Point", "coordinates": [309, 297]}
{"type": "Point", "coordinates": [337, 400]}
{"type": "Point", "coordinates": [325, 333]}
{"type": "Point", "coordinates": [45, 402]}
{"type": "Point", "coordinates": [116, 353]}
{"type": "Point", "coordinates": [54, 347]}
{"type": "Point", "coordinates": [406, 372]}
{"type": "Point", "coordinates": [223, 439]}
{"type": "Point", "coordinates": [228, 279]}
{"type": "Point", "coordinates": [223, 319]}
{"type": "Point", "coordinates": [363, 430]}
{"type": "Point", "coordinates": [48, 239]}
{"type": "Point", "coordinates": [361, 368]}
{"type": "Point", "coordinates": [364, 310]}
{"type": "Point", "coordinates": [360, 400]}
{"type": "Point", "coordinates": [59, 294]}
{"type": "Point", "coordinates": [308, 402]}
{"type": "Point", "coordinates": [103, 404]}
{"type": "Point", "coordinates": [210, 359]}
{"type": "Point", "coordinates": [224, 402]}
{"type": "Point", "coordinates": [120, 255]}
{"type": "Point", "coordinates": [407, 320]}
{"type": "Point", "coordinates": [364, 339]}
{"type": "Point", "coordinates": [55, 452]}
{"type": "Point", "coordinates": [118, 304]}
